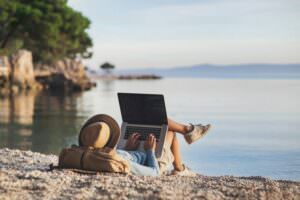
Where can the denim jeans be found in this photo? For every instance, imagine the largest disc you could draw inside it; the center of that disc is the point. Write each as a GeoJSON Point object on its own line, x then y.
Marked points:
{"type": "Point", "coordinates": [141, 163]}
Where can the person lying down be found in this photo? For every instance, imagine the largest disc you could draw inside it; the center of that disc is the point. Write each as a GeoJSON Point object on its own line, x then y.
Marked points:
{"type": "Point", "coordinates": [103, 131]}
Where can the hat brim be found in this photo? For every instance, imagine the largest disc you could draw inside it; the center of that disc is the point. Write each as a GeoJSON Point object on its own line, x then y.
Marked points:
{"type": "Point", "coordinates": [113, 125]}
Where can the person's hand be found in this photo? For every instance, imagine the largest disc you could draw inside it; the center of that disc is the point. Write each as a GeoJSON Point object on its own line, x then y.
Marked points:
{"type": "Point", "coordinates": [133, 142]}
{"type": "Point", "coordinates": [150, 143]}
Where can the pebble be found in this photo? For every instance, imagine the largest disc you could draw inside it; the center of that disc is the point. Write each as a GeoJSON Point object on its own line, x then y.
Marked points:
{"type": "Point", "coordinates": [24, 174]}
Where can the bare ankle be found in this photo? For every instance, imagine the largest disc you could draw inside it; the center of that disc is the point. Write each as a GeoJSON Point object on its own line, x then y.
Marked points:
{"type": "Point", "coordinates": [179, 168]}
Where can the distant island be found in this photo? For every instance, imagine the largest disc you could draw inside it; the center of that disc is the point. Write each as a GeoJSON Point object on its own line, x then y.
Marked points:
{"type": "Point", "coordinates": [125, 77]}
{"type": "Point", "coordinates": [107, 72]}
{"type": "Point", "coordinates": [253, 71]}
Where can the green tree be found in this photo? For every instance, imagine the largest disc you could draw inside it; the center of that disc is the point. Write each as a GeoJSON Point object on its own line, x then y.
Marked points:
{"type": "Point", "coordinates": [49, 28]}
{"type": "Point", "coordinates": [107, 67]}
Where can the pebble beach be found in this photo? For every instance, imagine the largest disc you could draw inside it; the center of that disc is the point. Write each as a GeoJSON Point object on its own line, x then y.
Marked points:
{"type": "Point", "coordinates": [25, 175]}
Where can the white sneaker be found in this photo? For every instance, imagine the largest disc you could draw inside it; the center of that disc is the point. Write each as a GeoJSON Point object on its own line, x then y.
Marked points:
{"type": "Point", "coordinates": [198, 132]}
{"type": "Point", "coordinates": [185, 172]}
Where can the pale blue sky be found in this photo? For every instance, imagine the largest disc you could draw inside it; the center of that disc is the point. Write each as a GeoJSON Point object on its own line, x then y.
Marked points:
{"type": "Point", "coordinates": [165, 33]}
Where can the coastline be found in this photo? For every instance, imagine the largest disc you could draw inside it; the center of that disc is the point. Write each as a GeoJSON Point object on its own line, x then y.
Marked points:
{"type": "Point", "coordinates": [125, 77]}
{"type": "Point", "coordinates": [24, 174]}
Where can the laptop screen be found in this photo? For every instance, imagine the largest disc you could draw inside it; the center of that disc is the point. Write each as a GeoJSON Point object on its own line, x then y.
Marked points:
{"type": "Point", "coordinates": [146, 109]}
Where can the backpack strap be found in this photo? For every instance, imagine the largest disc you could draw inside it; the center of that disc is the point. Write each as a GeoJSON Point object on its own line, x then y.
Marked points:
{"type": "Point", "coordinates": [80, 171]}
{"type": "Point", "coordinates": [81, 159]}
{"type": "Point", "coordinates": [52, 167]}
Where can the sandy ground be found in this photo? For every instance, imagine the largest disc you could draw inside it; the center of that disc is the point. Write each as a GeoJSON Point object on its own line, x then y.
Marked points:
{"type": "Point", "coordinates": [24, 175]}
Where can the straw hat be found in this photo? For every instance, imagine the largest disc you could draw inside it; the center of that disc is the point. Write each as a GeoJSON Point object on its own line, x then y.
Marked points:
{"type": "Point", "coordinates": [100, 131]}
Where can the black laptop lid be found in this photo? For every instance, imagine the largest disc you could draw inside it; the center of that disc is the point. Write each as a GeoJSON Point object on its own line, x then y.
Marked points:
{"type": "Point", "coordinates": [143, 108]}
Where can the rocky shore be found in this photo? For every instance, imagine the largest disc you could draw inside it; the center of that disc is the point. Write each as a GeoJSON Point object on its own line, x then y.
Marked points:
{"type": "Point", "coordinates": [24, 175]}
{"type": "Point", "coordinates": [19, 73]}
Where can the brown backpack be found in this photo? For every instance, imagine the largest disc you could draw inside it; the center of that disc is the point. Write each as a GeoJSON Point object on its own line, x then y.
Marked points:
{"type": "Point", "coordinates": [88, 158]}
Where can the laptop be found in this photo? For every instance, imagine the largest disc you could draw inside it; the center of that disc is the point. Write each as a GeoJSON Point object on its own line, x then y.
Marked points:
{"type": "Point", "coordinates": [144, 114]}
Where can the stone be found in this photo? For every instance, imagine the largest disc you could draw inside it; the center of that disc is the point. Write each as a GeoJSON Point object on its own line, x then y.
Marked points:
{"type": "Point", "coordinates": [4, 66]}
{"type": "Point", "coordinates": [25, 174]}
{"type": "Point", "coordinates": [4, 71]}
{"type": "Point", "coordinates": [64, 75]}
{"type": "Point", "coordinates": [23, 72]}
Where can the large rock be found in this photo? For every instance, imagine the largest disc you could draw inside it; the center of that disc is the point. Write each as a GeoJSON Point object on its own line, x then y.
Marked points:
{"type": "Point", "coordinates": [63, 75]}
{"type": "Point", "coordinates": [23, 72]}
{"type": "Point", "coordinates": [4, 66]}
{"type": "Point", "coordinates": [4, 71]}
{"type": "Point", "coordinates": [16, 73]}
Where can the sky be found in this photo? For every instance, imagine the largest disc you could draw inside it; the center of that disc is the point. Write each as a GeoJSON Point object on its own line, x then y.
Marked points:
{"type": "Point", "coordinates": [170, 33]}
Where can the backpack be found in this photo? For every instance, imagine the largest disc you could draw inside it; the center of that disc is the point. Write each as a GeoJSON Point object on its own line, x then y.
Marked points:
{"type": "Point", "coordinates": [92, 159]}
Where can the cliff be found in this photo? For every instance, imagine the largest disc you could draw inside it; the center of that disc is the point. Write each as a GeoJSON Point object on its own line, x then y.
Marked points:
{"type": "Point", "coordinates": [17, 72]}
{"type": "Point", "coordinates": [66, 74]}
{"type": "Point", "coordinates": [24, 175]}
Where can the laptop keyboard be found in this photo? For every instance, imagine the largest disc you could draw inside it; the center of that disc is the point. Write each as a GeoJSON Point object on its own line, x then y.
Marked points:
{"type": "Point", "coordinates": [143, 131]}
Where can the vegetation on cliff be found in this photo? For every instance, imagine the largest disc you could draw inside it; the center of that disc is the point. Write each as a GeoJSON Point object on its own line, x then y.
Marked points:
{"type": "Point", "coordinates": [50, 29]}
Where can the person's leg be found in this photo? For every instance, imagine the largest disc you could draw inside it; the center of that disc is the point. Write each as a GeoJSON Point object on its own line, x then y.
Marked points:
{"type": "Point", "coordinates": [166, 160]}
{"type": "Point", "coordinates": [177, 164]}
{"type": "Point", "coordinates": [173, 144]}
{"type": "Point", "coordinates": [191, 132]}
{"type": "Point", "coordinates": [178, 127]}
{"type": "Point", "coordinates": [169, 138]}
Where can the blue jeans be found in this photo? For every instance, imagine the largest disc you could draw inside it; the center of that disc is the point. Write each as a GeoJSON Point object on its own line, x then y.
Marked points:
{"type": "Point", "coordinates": [141, 163]}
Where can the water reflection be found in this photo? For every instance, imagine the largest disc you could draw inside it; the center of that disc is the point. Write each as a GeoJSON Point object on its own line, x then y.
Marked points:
{"type": "Point", "coordinates": [108, 85]}
{"type": "Point", "coordinates": [255, 122]}
{"type": "Point", "coordinates": [16, 117]}
{"type": "Point", "coordinates": [39, 121]}
{"type": "Point", "coordinates": [18, 109]}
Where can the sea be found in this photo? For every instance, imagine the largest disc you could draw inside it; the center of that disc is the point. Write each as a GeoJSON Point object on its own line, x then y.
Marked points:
{"type": "Point", "coordinates": [255, 122]}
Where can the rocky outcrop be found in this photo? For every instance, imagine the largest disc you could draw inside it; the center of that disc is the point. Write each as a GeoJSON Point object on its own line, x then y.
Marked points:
{"type": "Point", "coordinates": [67, 75]}
{"type": "Point", "coordinates": [17, 73]}
{"type": "Point", "coordinates": [23, 72]}
{"type": "Point", "coordinates": [4, 71]}
{"type": "Point", "coordinates": [24, 175]}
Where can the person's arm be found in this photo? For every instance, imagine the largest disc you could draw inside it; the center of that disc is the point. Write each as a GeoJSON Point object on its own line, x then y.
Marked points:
{"type": "Point", "coordinates": [149, 146]}
{"type": "Point", "coordinates": [150, 167]}
{"type": "Point", "coordinates": [151, 160]}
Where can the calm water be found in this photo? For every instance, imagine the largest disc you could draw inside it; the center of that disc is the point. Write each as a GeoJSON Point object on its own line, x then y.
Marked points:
{"type": "Point", "coordinates": [255, 130]}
